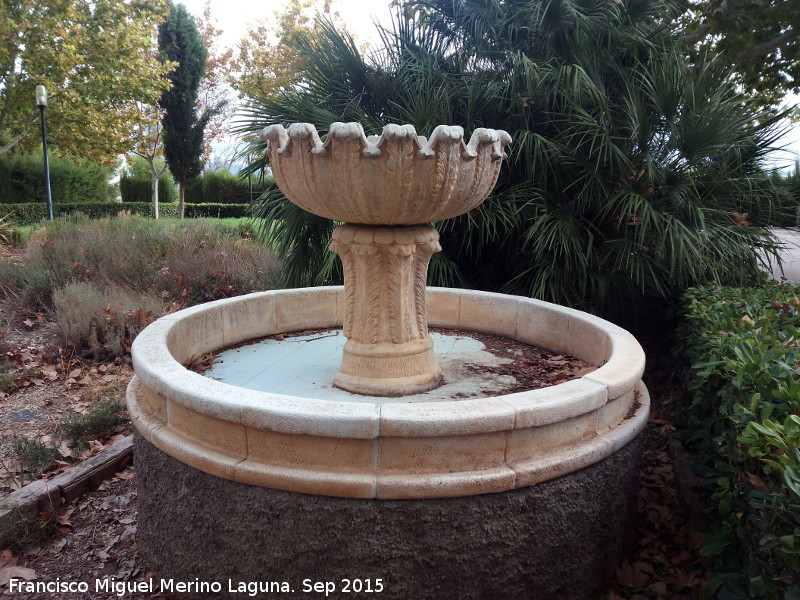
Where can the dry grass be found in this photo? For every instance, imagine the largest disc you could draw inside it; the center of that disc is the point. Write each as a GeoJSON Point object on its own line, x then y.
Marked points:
{"type": "Point", "coordinates": [104, 280]}
{"type": "Point", "coordinates": [102, 321]}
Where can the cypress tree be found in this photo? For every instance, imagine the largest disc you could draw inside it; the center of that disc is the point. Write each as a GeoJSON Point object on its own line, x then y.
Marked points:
{"type": "Point", "coordinates": [179, 40]}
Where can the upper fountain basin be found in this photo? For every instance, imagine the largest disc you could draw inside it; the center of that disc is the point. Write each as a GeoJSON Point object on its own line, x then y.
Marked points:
{"type": "Point", "coordinates": [397, 178]}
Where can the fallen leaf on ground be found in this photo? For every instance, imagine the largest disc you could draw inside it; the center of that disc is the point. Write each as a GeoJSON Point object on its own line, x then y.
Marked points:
{"type": "Point", "coordinates": [757, 482]}
{"type": "Point", "coordinates": [7, 558]}
{"type": "Point", "coordinates": [9, 573]}
{"type": "Point", "coordinates": [63, 518]}
{"type": "Point", "coordinates": [64, 449]}
{"type": "Point", "coordinates": [634, 575]}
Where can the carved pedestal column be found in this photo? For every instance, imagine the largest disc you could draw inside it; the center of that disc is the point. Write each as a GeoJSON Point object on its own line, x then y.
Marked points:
{"type": "Point", "coordinates": [388, 350]}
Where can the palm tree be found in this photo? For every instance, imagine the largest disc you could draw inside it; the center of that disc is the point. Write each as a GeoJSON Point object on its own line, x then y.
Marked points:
{"type": "Point", "coordinates": [633, 172]}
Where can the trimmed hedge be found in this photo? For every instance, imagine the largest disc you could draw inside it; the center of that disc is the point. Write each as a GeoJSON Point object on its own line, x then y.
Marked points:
{"type": "Point", "coordinates": [22, 179]}
{"type": "Point", "coordinates": [137, 189]}
{"type": "Point", "coordinates": [742, 417]}
{"type": "Point", "coordinates": [222, 187]}
{"type": "Point", "coordinates": [30, 213]}
{"type": "Point", "coordinates": [217, 211]}
{"type": "Point", "coordinates": [27, 214]}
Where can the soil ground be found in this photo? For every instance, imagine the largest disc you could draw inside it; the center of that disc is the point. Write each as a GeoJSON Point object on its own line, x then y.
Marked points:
{"type": "Point", "coordinates": [45, 382]}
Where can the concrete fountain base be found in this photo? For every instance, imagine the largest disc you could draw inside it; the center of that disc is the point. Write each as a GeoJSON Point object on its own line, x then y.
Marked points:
{"type": "Point", "coordinates": [559, 539]}
{"type": "Point", "coordinates": [521, 495]}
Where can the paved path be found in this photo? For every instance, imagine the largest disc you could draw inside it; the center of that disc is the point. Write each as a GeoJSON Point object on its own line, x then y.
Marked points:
{"type": "Point", "coordinates": [790, 254]}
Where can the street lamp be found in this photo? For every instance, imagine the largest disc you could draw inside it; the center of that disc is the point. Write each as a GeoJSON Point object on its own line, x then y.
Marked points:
{"type": "Point", "coordinates": [41, 102]}
{"type": "Point", "coordinates": [250, 187]}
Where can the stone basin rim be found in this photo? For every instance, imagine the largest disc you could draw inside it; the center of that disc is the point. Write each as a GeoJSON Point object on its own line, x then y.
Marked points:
{"type": "Point", "coordinates": [158, 367]}
{"type": "Point", "coordinates": [393, 450]}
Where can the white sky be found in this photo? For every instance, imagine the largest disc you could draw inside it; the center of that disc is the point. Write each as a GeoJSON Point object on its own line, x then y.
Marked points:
{"type": "Point", "coordinates": [233, 17]}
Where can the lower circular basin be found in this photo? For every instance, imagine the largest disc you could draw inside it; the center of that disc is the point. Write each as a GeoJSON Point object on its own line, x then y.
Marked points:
{"type": "Point", "coordinates": [395, 449]}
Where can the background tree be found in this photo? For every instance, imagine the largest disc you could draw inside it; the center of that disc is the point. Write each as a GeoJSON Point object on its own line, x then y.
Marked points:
{"type": "Point", "coordinates": [94, 58]}
{"type": "Point", "coordinates": [269, 58]}
{"type": "Point", "coordinates": [630, 168]}
{"type": "Point", "coordinates": [759, 37]}
{"type": "Point", "coordinates": [180, 41]}
{"type": "Point", "coordinates": [215, 94]}
{"type": "Point", "coordinates": [148, 143]}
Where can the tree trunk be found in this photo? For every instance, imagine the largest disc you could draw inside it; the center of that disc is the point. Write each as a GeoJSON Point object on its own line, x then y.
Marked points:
{"type": "Point", "coordinates": [180, 202]}
{"type": "Point", "coordinates": [154, 194]}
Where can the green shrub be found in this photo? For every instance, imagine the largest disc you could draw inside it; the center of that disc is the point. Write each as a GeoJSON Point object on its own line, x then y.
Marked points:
{"type": "Point", "coordinates": [222, 187]}
{"type": "Point", "coordinates": [34, 456]}
{"type": "Point", "coordinates": [135, 181]}
{"type": "Point", "coordinates": [101, 418]}
{"type": "Point", "coordinates": [31, 458]}
{"type": "Point", "coordinates": [218, 211]}
{"type": "Point", "coordinates": [7, 380]}
{"type": "Point", "coordinates": [137, 189]}
{"type": "Point", "coordinates": [743, 394]}
{"type": "Point", "coordinates": [22, 179]}
{"type": "Point", "coordinates": [25, 531]}
{"type": "Point", "coordinates": [28, 214]}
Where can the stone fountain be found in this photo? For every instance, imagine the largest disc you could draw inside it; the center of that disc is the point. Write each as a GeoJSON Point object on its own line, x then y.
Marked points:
{"type": "Point", "coordinates": [522, 495]}
{"type": "Point", "coordinates": [385, 188]}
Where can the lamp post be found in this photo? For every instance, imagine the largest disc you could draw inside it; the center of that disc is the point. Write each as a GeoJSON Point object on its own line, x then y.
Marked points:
{"type": "Point", "coordinates": [41, 102]}
{"type": "Point", "coordinates": [250, 187]}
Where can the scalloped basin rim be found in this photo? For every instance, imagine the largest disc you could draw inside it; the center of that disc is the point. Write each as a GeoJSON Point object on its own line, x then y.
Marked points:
{"type": "Point", "coordinates": [397, 178]}
{"type": "Point", "coordinates": [394, 450]}
{"type": "Point", "coordinates": [371, 144]}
